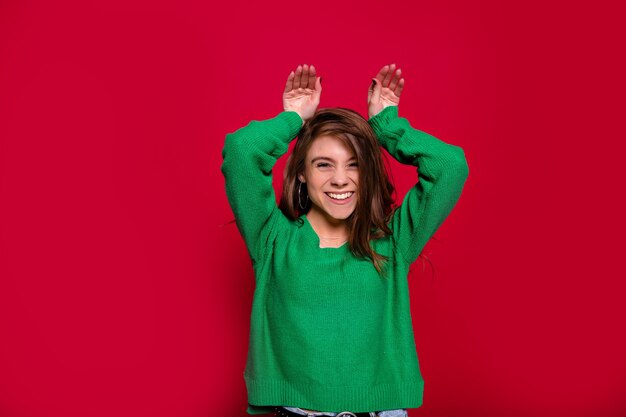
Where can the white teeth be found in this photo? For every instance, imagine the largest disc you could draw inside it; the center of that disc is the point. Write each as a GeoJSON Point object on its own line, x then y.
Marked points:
{"type": "Point", "coordinates": [340, 196]}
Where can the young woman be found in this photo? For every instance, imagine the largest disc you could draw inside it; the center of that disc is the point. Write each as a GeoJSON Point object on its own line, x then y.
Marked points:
{"type": "Point", "coordinates": [331, 331]}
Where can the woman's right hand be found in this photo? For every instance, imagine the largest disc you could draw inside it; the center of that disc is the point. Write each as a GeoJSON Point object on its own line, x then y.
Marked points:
{"type": "Point", "coordinates": [302, 91]}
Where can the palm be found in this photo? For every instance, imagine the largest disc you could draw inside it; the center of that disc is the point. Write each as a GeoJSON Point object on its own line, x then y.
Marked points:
{"type": "Point", "coordinates": [387, 92]}
{"type": "Point", "coordinates": [299, 99]}
{"type": "Point", "coordinates": [302, 92]}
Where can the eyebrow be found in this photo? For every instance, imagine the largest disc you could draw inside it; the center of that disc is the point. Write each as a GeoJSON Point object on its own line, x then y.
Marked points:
{"type": "Point", "coordinates": [329, 159]}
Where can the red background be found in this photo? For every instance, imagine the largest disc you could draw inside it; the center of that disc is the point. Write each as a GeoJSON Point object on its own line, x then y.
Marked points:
{"type": "Point", "coordinates": [122, 293]}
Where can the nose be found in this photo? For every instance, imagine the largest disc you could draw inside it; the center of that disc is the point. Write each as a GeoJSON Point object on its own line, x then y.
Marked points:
{"type": "Point", "coordinates": [340, 178]}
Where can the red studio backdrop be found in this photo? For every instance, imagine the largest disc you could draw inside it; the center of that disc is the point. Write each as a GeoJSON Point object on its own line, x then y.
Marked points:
{"type": "Point", "coordinates": [126, 292]}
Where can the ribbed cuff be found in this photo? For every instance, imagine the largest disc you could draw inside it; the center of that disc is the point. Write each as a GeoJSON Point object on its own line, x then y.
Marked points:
{"type": "Point", "coordinates": [293, 121]}
{"type": "Point", "coordinates": [382, 119]}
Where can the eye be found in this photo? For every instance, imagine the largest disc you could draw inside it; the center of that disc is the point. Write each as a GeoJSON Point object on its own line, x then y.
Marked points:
{"type": "Point", "coordinates": [323, 165]}
{"type": "Point", "coordinates": [354, 164]}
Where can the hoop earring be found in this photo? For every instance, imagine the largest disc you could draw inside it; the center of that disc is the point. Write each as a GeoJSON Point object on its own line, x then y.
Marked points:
{"type": "Point", "coordinates": [300, 198]}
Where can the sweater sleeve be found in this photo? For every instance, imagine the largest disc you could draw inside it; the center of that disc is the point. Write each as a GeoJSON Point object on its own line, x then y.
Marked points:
{"type": "Point", "coordinates": [442, 172]}
{"type": "Point", "coordinates": [249, 154]}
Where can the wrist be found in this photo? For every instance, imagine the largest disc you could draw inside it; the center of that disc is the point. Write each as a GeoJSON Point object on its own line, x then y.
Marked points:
{"type": "Point", "coordinates": [299, 115]}
{"type": "Point", "coordinates": [379, 110]}
{"type": "Point", "coordinates": [292, 121]}
{"type": "Point", "coordinates": [381, 119]}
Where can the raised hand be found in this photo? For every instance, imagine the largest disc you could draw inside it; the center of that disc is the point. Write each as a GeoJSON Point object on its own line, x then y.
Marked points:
{"type": "Point", "coordinates": [302, 91]}
{"type": "Point", "coordinates": [385, 89]}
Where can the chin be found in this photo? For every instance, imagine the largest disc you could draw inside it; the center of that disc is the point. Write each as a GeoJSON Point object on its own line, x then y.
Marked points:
{"type": "Point", "coordinates": [338, 216]}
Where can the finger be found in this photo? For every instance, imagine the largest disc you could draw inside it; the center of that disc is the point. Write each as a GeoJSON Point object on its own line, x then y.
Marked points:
{"type": "Point", "coordinates": [388, 75]}
{"type": "Point", "coordinates": [318, 89]}
{"type": "Point", "coordinates": [304, 81]}
{"type": "Point", "coordinates": [306, 76]}
{"type": "Point", "coordinates": [311, 78]}
{"type": "Point", "coordinates": [296, 80]}
{"type": "Point", "coordinates": [400, 87]}
{"type": "Point", "coordinates": [382, 73]}
{"type": "Point", "coordinates": [289, 84]}
{"type": "Point", "coordinates": [314, 77]}
{"type": "Point", "coordinates": [395, 79]}
{"type": "Point", "coordinates": [376, 91]}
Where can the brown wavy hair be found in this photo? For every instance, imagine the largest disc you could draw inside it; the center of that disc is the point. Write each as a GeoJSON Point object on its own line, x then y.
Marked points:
{"type": "Point", "coordinates": [375, 204]}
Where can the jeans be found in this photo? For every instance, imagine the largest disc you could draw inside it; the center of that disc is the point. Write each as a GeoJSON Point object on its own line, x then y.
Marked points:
{"type": "Point", "coordinates": [400, 412]}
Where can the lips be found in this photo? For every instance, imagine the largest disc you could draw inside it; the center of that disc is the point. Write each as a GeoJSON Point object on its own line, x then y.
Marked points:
{"type": "Point", "coordinates": [340, 198]}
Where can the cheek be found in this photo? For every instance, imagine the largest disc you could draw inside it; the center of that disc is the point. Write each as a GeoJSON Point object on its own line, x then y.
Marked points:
{"type": "Point", "coordinates": [317, 179]}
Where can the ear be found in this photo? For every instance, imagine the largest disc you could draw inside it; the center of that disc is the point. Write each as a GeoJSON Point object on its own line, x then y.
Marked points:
{"type": "Point", "coordinates": [301, 178]}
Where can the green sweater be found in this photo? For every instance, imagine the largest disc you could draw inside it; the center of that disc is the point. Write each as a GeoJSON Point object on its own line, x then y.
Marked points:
{"type": "Point", "coordinates": [327, 331]}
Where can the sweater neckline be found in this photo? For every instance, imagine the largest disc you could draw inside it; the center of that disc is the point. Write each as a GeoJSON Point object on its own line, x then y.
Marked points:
{"type": "Point", "coordinates": [316, 239]}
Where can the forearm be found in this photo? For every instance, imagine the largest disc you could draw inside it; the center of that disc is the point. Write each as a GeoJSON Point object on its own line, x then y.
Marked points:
{"type": "Point", "coordinates": [414, 147]}
{"type": "Point", "coordinates": [249, 154]}
{"type": "Point", "coordinates": [442, 170]}
{"type": "Point", "coordinates": [260, 142]}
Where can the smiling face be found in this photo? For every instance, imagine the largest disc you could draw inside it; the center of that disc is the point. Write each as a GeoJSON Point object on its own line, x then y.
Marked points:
{"type": "Point", "coordinates": [331, 175]}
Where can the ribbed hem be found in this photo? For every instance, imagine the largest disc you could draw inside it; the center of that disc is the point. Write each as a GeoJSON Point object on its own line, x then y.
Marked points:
{"type": "Point", "coordinates": [349, 398]}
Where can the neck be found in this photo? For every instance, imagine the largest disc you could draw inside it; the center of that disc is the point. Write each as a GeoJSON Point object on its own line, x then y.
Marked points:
{"type": "Point", "coordinates": [325, 228]}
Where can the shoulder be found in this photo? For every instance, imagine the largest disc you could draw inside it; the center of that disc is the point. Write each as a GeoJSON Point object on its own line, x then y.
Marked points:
{"type": "Point", "coordinates": [280, 226]}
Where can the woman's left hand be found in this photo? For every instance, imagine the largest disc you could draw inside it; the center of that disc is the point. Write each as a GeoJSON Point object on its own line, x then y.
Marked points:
{"type": "Point", "coordinates": [386, 90]}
